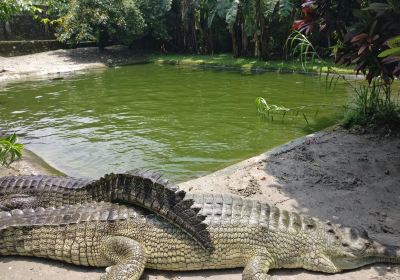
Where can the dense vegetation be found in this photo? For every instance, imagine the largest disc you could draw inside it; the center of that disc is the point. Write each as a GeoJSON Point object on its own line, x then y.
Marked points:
{"type": "Point", "coordinates": [256, 28]}
{"type": "Point", "coordinates": [371, 42]}
{"type": "Point", "coordinates": [355, 31]}
{"type": "Point", "coordinates": [10, 8]}
{"type": "Point", "coordinates": [246, 27]}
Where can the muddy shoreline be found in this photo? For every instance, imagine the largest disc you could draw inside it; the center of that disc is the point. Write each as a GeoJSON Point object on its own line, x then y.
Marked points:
{"type": "Point", "coordinates": [335, 175]}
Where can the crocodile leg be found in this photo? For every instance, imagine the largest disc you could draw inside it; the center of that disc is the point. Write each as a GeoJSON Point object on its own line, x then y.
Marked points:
{"type": "Point", "coordinates": [127, 256]}
{"type": "Point", "coordinates": [257, 268]}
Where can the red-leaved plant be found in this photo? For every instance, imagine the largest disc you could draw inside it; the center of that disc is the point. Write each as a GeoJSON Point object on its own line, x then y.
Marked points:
{"type": "Point", "coordinates": [367, 30]}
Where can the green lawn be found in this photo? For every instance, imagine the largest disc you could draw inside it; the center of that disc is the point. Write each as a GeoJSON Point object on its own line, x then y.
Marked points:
{"type": "Point", "coordinates": [247, 64]}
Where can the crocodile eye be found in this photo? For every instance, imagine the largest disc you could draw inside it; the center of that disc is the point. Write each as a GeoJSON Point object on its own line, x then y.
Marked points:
{"type": "Point", "coordinates": [344, 244]}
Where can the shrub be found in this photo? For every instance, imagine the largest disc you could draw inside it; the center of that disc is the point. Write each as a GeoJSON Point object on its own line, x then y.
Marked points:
{"type": "Point", "coordinates": [119, 21]}
{"type": "Point", "coordinates": [10, 8]}
{"type": "Point", "coordinates": [113, 21]}
{"type": "Point", "coordinates": [10, 150]}
{"type": "Point", "coordinates": [372, 45]}
{"type": "Point", "coordinates": [376, 24]}
{"type": "Point", "coordinates": [373, 106]}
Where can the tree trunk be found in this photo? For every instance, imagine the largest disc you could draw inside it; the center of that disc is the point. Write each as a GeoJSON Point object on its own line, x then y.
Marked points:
{"type": "Point", "coordinates": [103, 38]}
{"type": "Point", "coordinates": [237, 33]}
{"type": "Point", "coordinates": [189, 26]}
{"type": "Point", "coordinates": [7, 30]}
{"type": "Point", "coordinates": [264, 42]}
{"type": "Point", "coordinates": [205, 41]}
{"type": "Point", "coordinates": [211, 41]}
{"type": "Point", "coordinates": [259, 28]}
{"type": "Point", "coordinates": [235, 47]}
{"type": "Point", "coordinates": [193, 37]}
{"type": "Point", "coordinates": [243, 35]}
{"type": "Point", "coordinates": [245, 44]}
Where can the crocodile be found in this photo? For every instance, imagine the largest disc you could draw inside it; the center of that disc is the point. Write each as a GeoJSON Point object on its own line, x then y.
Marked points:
{"type": "Point", "coordinates": [143, 188]}
{"type": "Point", "coordinates": [244, 233]}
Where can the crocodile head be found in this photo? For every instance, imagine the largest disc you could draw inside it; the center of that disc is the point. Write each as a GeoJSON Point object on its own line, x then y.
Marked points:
{"type": "Point", "coordinates": [352, 248]}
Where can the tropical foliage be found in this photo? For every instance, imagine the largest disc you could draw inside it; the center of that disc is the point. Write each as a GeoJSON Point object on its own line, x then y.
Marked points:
{"type": "Point", "coordinates": [247, 27]}
{"type": "Point", "coordinates": [10, 8]}
{"type": "Point", "coordinates": [371, 44]}
{"type": "Point", "coordinates": [115, 21]}
{"type": "Point", "coordinates": [368, 37]}
{"type": "Point", "coordinates": [154, 14]}
{"type": "Point", "coordinates": [10, 150]}
{"type": "Point", "coordinates": [102, 21]}
{"type": "Point", "coordinates": [326, 19]}
{"type": "Point", "coordinates": [255, 27]}
{"type": "Point", "coordinates": [361, 30]}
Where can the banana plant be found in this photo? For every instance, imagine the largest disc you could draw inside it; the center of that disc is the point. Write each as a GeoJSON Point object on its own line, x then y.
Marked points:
{"type": "Point", "coordinates": [252, 17]}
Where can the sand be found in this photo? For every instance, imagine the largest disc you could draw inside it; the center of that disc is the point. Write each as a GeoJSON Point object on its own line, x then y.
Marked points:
{"type": "Point", "coordinates": [347, 178]}
{"type": "Point", "coordinates": [58, 63]}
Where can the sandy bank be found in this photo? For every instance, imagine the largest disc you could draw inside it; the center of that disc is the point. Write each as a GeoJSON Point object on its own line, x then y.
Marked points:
{"type": "Point", "coordinates": [31, 164]}
{"type": "Point", "coordinates": [57, 63]}
{"type": "Point", "coordinates": [348, 178]}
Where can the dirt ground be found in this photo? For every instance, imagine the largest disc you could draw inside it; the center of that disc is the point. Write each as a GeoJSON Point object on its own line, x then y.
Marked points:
{"type": "Point", "coordinates": [30, 165]}
{"type": "Point", "coordinates": [54, 64]}
{"type": "Point", "coordinates": [347, 178]}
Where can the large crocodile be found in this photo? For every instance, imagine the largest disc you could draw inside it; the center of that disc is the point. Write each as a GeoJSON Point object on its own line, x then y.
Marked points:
{"type": "Point", "coordinates": [244, 233]}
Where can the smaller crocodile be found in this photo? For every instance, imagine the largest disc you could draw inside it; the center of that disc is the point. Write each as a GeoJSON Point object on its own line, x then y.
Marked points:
{"type": "Point", "coordinates": [145, 189]}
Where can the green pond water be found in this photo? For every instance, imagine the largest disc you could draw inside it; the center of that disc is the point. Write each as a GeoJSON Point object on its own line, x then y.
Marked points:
{"type": "Point", "coordinates": [182, 122]}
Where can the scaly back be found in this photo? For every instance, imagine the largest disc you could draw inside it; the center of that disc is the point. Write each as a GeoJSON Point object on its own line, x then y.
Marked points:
{"type": "Point", "coordinates": [224, 208]}
{"type": "Point", "coordinates": [31, 191]}
{"type": "Point", "coordinates": [136, 187]}
{"type": "Point", "coordinates": [65, 215]}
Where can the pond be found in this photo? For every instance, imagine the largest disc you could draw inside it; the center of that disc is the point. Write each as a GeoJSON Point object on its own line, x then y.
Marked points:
{"type": "Point", "coordinates": [181, 122]}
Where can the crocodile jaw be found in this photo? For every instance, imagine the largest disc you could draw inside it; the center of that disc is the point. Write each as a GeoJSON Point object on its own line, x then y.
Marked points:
{"type": "Point", "coordinates": [386, 253]}
{"type": "Point", "coordinates": [376, 253]}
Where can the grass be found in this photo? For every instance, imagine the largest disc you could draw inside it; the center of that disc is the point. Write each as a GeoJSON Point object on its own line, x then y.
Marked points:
{"type": "Point", "coordinates": [374, 106]}
{"type": "Point", "coordinates": [248, 64]}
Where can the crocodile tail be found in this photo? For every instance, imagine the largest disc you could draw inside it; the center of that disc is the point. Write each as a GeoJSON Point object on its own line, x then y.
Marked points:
{"type": "Point", "coordinates": [150, 191]}
{"type": "Point", "coordinates": [22, 183]}
{"type": "Point", "coordinates": [16, 226]}
{"type": "Point", "coordinates": [30, 191]}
